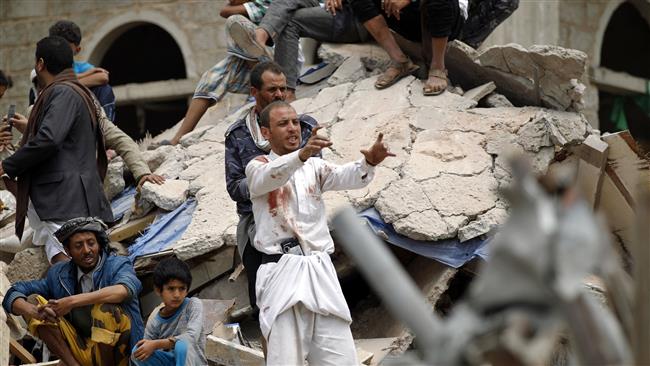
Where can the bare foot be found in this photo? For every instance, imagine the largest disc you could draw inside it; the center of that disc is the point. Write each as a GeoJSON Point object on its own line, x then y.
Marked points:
{"type": "Point", "coordinates": [436, 83]}
{"type": "Point", "coordinates": [261, 37]}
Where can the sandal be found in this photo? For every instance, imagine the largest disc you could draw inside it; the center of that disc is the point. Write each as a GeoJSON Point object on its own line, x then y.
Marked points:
{"type": "Point", "coordinates": [400, 70]}
{"type": "Point", "coordinates": [428, 89]}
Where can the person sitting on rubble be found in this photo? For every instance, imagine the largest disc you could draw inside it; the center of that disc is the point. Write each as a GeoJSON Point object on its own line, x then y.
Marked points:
{"type": "Point", "coordinates": [244, 141]}
{"type": "Point", "coordinates": [303, 314]}
{"type": "Point", "coordinates": [286, 21]}
{"type": "Point", "coordinates": [87, 310]}
{"type": "Point", "coordinates": [174, 332]}
{"type": "Point", "coordinates": [94, 78]}
{"type": "Point", "coordinates": [443, 21]}
{"type": "Point", "coordinates": [230, 75]}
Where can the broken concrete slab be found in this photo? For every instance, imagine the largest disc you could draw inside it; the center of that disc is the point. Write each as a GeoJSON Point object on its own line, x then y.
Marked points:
{"type": "Point", "coordinates": [495, 100]}
{"type": "Point", "coordinates": [366, 101]}
{"type": "Point", "coordinates": [478, 93]}
{"type": "Point", "coordinates": [445, 100]}
{"type": "Point", "coordinates": [168, 195]}
{"type": "Point", "coordinates": [228, 353]}
{"type": "Point", "coordinates": [402, 198]}
{"type": "Point", "coordinates": [351, 70]}
{"type": "Point", "coordinates": [155, 158]}
{"type": "Point", "coordinates": [426, 226]}
{"type": "Point", "coordinates": [372, 56]}
{"type": "Point", "coordinates": [526, 77]}
{"type": "Point", "coordinates": [457, 195]}
{"type": "Point", "coordinates": [483, 224]}
{"type": "Point", "coordinates": [29, 264]}
{"type": "Point", "coordinates": [114, 180]}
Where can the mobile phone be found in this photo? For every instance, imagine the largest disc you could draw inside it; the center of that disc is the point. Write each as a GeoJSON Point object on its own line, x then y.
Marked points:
{"type": "Point", "coordinates": [10, 115]}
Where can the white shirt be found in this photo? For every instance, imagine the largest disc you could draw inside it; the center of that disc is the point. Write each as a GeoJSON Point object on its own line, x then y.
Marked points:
{"type": "Point", "coordinates": [287, 198]}
{"type": "Point", "coordinates": [462, 4]}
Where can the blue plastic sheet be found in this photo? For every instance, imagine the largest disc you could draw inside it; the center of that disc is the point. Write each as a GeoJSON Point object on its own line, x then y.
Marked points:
{"type": "Point", "coordinates": [449, 251]}
{"type": "Point", "coordinates": [122, 203]}
{"type": "Point", "coordinates": [164, 231]}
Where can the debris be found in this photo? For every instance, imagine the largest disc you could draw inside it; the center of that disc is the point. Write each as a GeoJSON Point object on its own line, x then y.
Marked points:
{"type": "Point", "coordinates": [114, 181]}
{"type": "Point", "coordinates": [372, 56]}
{"type": "Point", "coordinates": [378, 348]}
{"type": "Point", "coordinates": [480, 91]}
{"type": "Point", "coordinates": [228, 353]}
{"type": "Point", "coordinates": [235, 274]}
{"type": "Point", "coordinates": [545, 76]}
{"type": "Point", "coordinates": [19, 351]}
{"type": "Point", "coordinates": [168, 195]}
{"type": "Point", "coordinates": [28, 264]}
{"type": "Point", "coordinates": [496, 100]}
{"type": "Point", "coordinates": [350, 71]}
{"type": "Point", "coordinates": [131, 228]}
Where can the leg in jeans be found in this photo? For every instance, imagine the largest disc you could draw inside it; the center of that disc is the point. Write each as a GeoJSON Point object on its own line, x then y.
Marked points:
{"type": "Point", "coordinates": [278, 16]}
{"type": "Point", "coordinates": [316, 23]}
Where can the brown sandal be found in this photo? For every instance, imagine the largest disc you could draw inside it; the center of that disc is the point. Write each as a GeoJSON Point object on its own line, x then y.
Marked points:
{"type": "Point", "coordinates": [428, 89]}
{"type": "Point", "coordinates": [403, 69]}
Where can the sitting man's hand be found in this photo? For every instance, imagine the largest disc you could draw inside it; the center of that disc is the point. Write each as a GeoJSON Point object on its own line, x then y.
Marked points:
{"type": "Point", "coordinates": [6, 137]}
{"type": "Point", "coordinates": [153, 178]}
{"type": "Point", "coordinates": [314, 145]}
{"type": "Point", "coordinates": [61, 306]}
{"type": "Point", "coordinates": [393, 7]}
{"type": "Point", "coordinates": [377, 152]}
{"type": "Point", "coordinates": [46, 313]}
{"type": "Point", "coordinates": [145, 348]}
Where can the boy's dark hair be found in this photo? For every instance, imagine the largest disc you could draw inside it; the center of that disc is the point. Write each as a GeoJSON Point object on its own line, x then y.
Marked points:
{"type": "Point", "coordinates": [5, 80]}
{"type": "Point", "coordinates": [56, 53]}
{"type": "Point", "coordinates": [169, 269]}
{"type": "Point", "coordinates": [265, 116]}
{"type": "Point", "coordinates": [261, 68]}
{"type": "Point", "coordinates": [68, 30]}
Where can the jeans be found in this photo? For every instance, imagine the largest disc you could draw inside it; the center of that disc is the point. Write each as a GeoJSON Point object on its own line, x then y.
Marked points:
{"type": "Point", "coordinates": [288, 20]}
{"type": "Point", "coordinates": [164, 358]}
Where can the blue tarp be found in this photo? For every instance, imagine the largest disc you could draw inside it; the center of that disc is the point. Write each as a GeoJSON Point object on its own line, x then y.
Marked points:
{"type": "Point", "coordinates": [122, 203]}
{"type": "Point", "coordinates": [165, 230]}
{"type": "Point", "coordinates": [449, 251]}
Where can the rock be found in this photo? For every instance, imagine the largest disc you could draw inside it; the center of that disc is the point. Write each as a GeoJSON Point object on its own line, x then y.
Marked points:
{"type": "Point", "coordinates": [476, 94]}
{"type": "Point", "coordinates": [366, 197]}
{"type": "Point", "coordinates": [208, 164]}
{"type": "Point", "coordinates": [155, 158]}
{"type": "Point", "coordinates": [366, 101]}
{"type": "Point", "coordinates": [114, 180]}
{"type": "Point", "coordinates": [483, 224]}
{"type": "Point", "coordinates": [167, 196]}
{"type": "Point", "coordinates": [457, 195]}
{"type": "Point", "coordinates": [445, 100]}
{"type": "Point", "coordinates": [194, 137]}
{"type": "Point", "coordinates": [400, 199]}
{"type": "Point", "coordinates": [29, 264]}
{"type": "Point", "coordinates": [351, 70]}
{"type": "Point", "coordinates": [534, 135]}
{"type": "Point", "coordinates": [454, 152]}
{"type": "Point", "coordinates": [372, 55]}
{"type": "Point", "coordinates": [495, 100]}
{"type": "Point", "coordinates": [204, 148]}
{"type": "Point", "coordinates": [541, 75]}
{"type": "Point", "coordinates": [427, 225]}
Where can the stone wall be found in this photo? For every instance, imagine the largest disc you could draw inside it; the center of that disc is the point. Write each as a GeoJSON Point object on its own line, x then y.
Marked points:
{"type": "Point", "coordinates": [195, 25]}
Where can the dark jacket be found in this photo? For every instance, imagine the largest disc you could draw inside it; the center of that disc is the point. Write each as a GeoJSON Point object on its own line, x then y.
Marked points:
{"type": "Point", "coordinates": [61, 161]}
{"type": "Point", "coordinates": [240, 149]}
{"type": "Point", "coordinates": [61, 280]}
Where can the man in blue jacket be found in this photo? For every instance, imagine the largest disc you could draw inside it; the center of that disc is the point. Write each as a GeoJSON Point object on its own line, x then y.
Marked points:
{"type": "Point", "coordinates": [87, 310]}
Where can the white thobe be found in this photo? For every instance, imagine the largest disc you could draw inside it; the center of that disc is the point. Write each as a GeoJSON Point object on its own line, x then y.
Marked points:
{"type": "Point", "coordinates": [287, 203]}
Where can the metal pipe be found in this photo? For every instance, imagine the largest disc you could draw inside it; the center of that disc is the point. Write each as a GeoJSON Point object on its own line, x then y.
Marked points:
{"type": "Point", "coordinates": [389, 279]}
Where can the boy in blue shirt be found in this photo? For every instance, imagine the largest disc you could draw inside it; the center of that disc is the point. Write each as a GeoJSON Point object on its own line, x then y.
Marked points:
{"type": "Point", "coordinates": [95, 78]}
{"type": "Point", "coordinates": [174, 331]}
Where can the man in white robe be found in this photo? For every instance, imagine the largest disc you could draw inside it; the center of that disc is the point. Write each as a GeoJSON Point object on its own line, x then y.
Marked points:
{"type": "Point", "coordinates": [303, 314]}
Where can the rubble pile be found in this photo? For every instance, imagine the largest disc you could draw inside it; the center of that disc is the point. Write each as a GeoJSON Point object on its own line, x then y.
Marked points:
{"type": "Point", "coordinates": [445, 181]}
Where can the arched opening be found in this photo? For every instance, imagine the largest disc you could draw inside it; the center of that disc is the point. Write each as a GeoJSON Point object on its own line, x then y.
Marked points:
{"type": "Point", "coordinates": [144, 53]}
{"type": "Point", "coordinates": [625, 48]}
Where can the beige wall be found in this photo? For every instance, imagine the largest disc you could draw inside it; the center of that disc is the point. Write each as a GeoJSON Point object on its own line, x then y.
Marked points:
{"type": "Point", "coordinates": [195, 25]}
